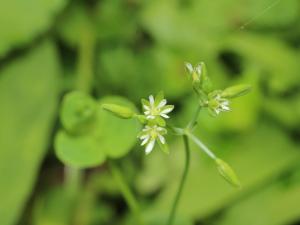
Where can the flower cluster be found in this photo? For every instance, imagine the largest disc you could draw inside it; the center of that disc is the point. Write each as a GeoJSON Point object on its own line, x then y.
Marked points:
{"type": "Point", "coordinates": [216, 101]}
{"type": "Point", "coordinates": [155, 110]}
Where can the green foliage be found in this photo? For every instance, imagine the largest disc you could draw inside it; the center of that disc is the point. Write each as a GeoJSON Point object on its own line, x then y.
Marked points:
{"type": "Point", "coordinates": [23, 21]}
{"type": "Point", "coordinates": [26, 124]}
{"type": "Point", "coordinates": [91, 147]}
{"type": "Point", "coordinates": [132, 49]}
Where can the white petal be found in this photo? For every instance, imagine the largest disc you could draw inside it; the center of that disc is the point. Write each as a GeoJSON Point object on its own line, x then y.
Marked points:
{"type": "Point", "coordinates": [225, 102]}
{"type": "Point", "coordinates": [151, 100]}
{"type": "Point", "coordinates": [162, 139]}
{"type": "Point", "coordinates": [145, 141]}
{"type": "Point", "coordinates": [162, 103]}
{"type": "Point", "coordinates": [198, 69]}
{"type": "Point", "coordinates": [164, 116]}
{"type": "Point", "coordinates": [146, 107]}
{"type": "Point", "coordinates": [150, 117]}
{"type": "Point", "coordinates": [226, 108]}
{"type": "Point", "coordinates": [147, 112]}
{"type": "Point", "coordinates": [150, 146]}
{"type": "Point", "coordinates": [166, 110]}
{"type": "Point", "coordinates": [189, 67]}
{"type": "Point", "coordinates": [144, 136]}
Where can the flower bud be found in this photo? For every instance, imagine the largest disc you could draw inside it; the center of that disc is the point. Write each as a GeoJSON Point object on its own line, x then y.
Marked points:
{"type": "Point", "coordinates": [119, 111]}
{"type": "Point", "coordinates": [200, 80]}
{"type": "Point", "coordinates": [227, 173]}
{"type": "Point", "coordinates": [236, 91]}
{"type": "Point", "coordinates": [205, 81]}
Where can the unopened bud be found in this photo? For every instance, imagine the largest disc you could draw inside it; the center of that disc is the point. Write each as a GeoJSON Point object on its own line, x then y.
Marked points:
{"type": "Point", "coordinates": [120, 111]}
{"type": "Point", "coordinates": [227, 173]}
{"type": "Point", "coordinates": [236, 91]}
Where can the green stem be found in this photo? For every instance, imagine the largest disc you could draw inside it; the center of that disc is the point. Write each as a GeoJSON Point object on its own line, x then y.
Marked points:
{"type": "Point", "coordinates": [126, 192]}
{"type": "Point", "coordinates": [202, 146]}
{"type": "Point", "coordinates": [182, 181]}
{"type": "Point", "coordinates": [195, 118]}
{"type": "Point", "coordinates": [73, 177]}
{"type": "Point", "coordinates": [86, 60]}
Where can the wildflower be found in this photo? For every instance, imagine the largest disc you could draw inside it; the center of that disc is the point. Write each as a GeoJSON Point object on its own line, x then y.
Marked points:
{"type": "Point", "coordinates": [156, 107]}
{"type": "Point", "coordinates": [152, 134]}
{"type": "Point", "coordinates": [218, 104]}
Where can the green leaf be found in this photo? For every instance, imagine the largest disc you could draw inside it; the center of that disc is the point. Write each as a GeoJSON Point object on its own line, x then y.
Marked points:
{"type": "Point", "coordinates": [29, 97]}
{"type": "Point", "coordinates": [78, 112]}
{"type": "Point", "coordinates": [79, 150]}
{"type": "Point", "coordinates": [110, 137]}
{"type": "Point", "coordinates": [22, 21]}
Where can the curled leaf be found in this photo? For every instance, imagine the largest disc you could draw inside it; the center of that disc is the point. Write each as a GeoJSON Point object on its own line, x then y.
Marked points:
{"type": "Point", "coordinates": [78, 112]}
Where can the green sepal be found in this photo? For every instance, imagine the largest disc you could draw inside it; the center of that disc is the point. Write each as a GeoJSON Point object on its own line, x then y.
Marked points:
{"type": "Point", "coordinates": [160, 121]}
{"type": "Point", "coordinates": [145, 102]}
{"type": "Point", "coordinates": [159, 97]}
{"type": "Point", "coordinates": [163, 147]}
{"type": "Point", "coordinates": [141, 118]}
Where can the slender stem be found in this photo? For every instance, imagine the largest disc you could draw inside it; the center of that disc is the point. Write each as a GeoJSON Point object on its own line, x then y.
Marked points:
{"type": "Point", "coordinates": [198, 142]}
{"type": "Point", "coordinates": [85, 60]}
{"type": "Point", "coordinates": [182, 181]}
{"type": "Point", "coordinates": [73, 177]}
{"type": "Point", "coordinates": [195, 118]}
{"type": "Point", "coordinates": [83, 83]}
{"type": "Point", "coordinates": [126, 192]}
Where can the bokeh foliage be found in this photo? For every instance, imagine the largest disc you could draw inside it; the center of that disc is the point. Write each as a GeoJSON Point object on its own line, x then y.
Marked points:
{"type": "Point", "coordinates": [133, 48]}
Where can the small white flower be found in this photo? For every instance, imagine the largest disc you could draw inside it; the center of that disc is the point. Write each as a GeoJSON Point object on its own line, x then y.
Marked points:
{"type": "Point", "coordinates": [156, 107]}
{"type": "Point", "coordinates": [219, 104]}
{"type": "Point", "coordinates": [151, 134]}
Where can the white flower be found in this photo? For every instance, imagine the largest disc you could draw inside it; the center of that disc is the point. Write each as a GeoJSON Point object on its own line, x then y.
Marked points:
{"type": "Point", "coordinates": [219, 104]}
{"type": "Point", "coordinates": [156, 107]}
{"type": "Point", "coordinates": [151, 134]}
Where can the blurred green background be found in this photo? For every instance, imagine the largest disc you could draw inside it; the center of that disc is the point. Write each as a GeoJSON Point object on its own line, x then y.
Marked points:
{"type": "Point", "coordinates": [134, 48]}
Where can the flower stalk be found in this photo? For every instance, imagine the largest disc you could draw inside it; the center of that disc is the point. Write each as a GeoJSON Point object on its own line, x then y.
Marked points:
{"type": "Point", "coordinates": [182, 181]}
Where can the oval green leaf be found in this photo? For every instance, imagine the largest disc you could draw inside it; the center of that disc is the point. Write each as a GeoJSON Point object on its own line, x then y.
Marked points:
{"type": "Point", "coordinates": [80, 151]}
